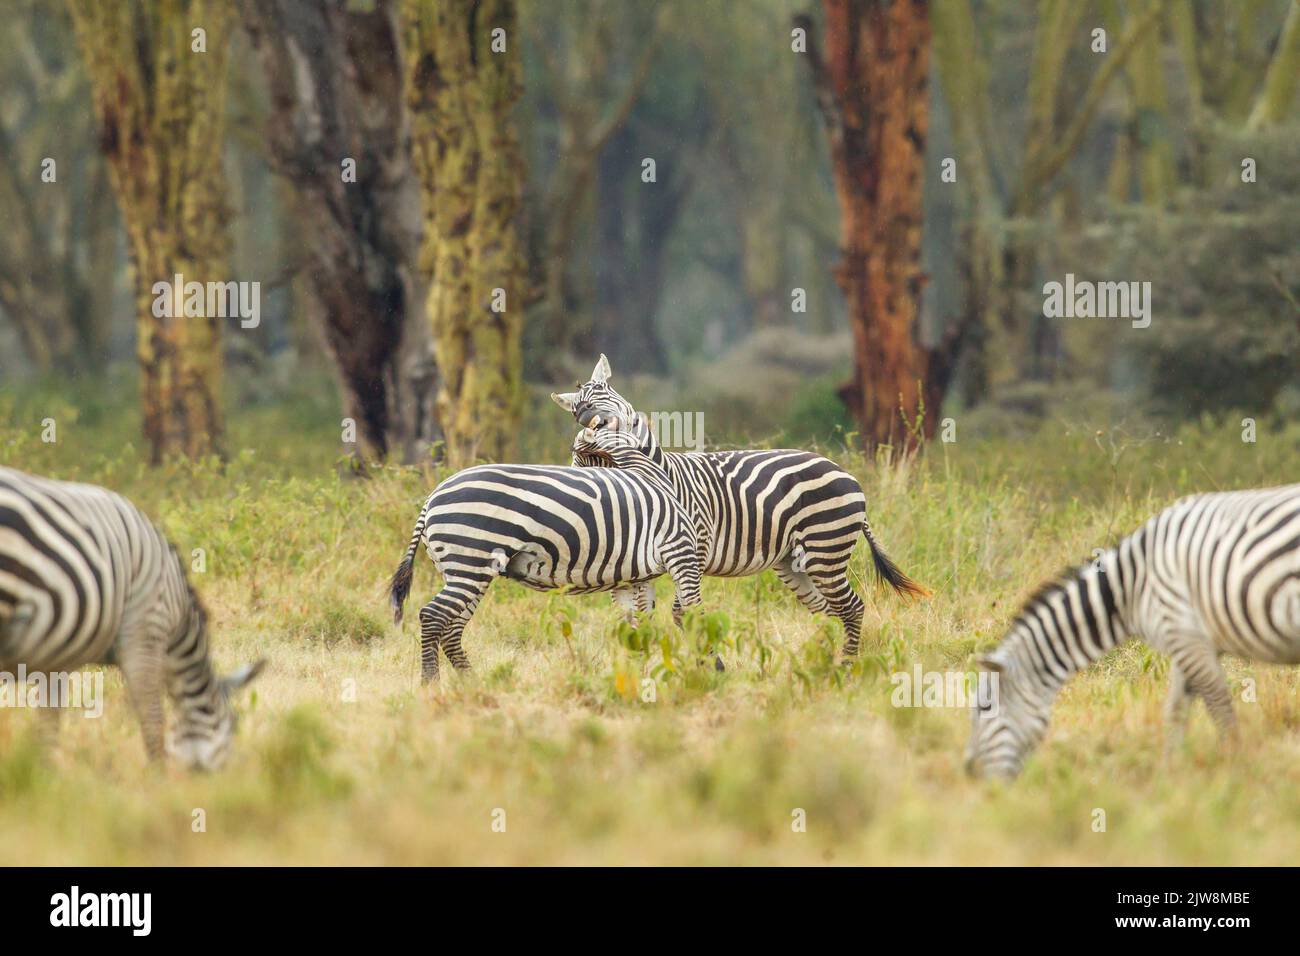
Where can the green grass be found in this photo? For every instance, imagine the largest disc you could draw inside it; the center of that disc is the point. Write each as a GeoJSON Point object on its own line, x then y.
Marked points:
{"type": "Point", "coordinates": [344, 758]}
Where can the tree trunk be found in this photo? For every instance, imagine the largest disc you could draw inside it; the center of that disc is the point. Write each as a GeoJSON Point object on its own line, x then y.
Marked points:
{"type": "Point", "coordinates": [335, 79]}
{"type": "Point", "coordinates": [872, 89]}
{"type": "Point", "coordinates": [160, 106]}
{"type": "Point", "coordinates": [592, 110]}
{"type": "Point", "coordinates": [1050, 144]}
{"type": "Point", "coordinates": [963, 74]}
{"type": "Point", "coordinates": [32, 292]}
{"type": "Point", "coordinates": [53, 275]}
{"type": "Point", "coordinates": [1156, 172]}
{"type": "Point", "coordinates": [470, 167]}
{"type": "Point", "coordinates": [1274, 100]}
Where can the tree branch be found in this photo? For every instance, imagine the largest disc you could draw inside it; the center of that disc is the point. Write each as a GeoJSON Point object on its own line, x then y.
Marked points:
{"type": "Point", "coordinates": [1042, 171]}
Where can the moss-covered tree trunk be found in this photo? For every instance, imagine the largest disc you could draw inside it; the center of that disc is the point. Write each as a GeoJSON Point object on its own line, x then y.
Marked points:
{"type": "Point", "coordinates": [160, 106]}
{"type": "Point", "coordinates": [1275, 97]}
{"type": "Point", "coordinates": [872, 89]}
{"type": "Point", "coordinates": [461, 92]}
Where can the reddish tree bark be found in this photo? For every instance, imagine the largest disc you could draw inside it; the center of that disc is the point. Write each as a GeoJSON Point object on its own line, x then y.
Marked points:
{"type": "Point", "coordinates": [871, 86]}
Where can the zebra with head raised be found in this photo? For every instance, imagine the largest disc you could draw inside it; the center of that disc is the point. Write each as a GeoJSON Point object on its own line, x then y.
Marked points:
{"type": "Point", "coordinates": [548, 526]}
{"type": "Point", "coordinates": [86, 578]}
{"type": "Point", "coordinates": [797, 513]}
{"type": "Point", "coordinates": [1212, 574]}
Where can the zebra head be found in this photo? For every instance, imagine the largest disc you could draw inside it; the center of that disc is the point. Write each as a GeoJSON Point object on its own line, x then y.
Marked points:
{"type": "Point", "coordinates": [206, 728]}
{"type": "Point", "coordinates": [616, 443]}
{"type": "Point", "coordinates": [596, 403]}
{"type": "Point", "coordinates": [1007, 724]}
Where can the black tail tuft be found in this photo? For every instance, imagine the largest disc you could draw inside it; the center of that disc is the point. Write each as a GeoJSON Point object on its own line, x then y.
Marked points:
{"type": "Point", "coordinates": [401, 586]}
{"type": "Point", "coordinates": [889, 572]}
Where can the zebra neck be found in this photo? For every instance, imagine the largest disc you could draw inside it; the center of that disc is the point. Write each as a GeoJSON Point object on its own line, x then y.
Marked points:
{"type": "Point", "coordinates": [655, 451]}
{"type": "Point", "coordinates": [1072, 622]}
{"type": "Point", "coordinates": [672, 462]}
{"type": "Point", "coordinates": [194, 682]}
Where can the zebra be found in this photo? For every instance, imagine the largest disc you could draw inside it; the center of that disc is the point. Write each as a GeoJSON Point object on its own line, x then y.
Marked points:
{"type": "Point", "coordinates": [795, 512]}
{"type": "Point", "coordinates": [547, 526]}
{"type": "Point", "coordinates": [1212, 574]}
{"type": "Point", "coordinates": [86, 578]}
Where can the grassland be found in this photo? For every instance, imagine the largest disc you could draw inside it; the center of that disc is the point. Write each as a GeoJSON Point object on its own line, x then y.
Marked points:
{"type": "Point", "coordinates": [551, 726]}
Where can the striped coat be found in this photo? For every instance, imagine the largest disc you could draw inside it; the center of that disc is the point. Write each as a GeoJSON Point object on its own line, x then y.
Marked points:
{"type": "Point", "coordinates": [546, 526]}
{"type": "Point", "coordinates": [1212, 574]}
{"type": "Point", "coordinates": [795, 512]}
{"type": "Point", "coordinates": [86, 578]}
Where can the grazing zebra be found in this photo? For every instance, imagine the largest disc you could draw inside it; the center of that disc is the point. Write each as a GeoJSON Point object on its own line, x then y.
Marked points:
{"type": "Point", "coordinates": [547, 526]}
{"type": "Point", "coordinates": [792, 511]}
{"type": "Point", "coordinates": [1212, 574]}
{"type": "Point", "coordinates": [86, 578]}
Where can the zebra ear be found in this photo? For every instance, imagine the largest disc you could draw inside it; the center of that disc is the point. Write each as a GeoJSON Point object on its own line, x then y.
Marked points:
{"type": "Point", "coordinates": [241, 678]}
{"type": "Point", "coordinates": [600, 374]}
{"type": "Point", "coordinates": [566, 400]}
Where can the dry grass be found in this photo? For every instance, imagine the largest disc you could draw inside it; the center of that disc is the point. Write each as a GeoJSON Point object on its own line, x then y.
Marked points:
{"type": "Point", "coordinates": [550, 726]}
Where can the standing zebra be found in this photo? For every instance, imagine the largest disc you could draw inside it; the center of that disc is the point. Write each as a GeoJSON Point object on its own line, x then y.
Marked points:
{"type": "Point", "coordinates": [86, 578]}
{"type": "Point", "coordinates": [1212, 574]}
{"type": "Point", "coordinates": [547, 526]}
{"type": "Point", "coordinates": [792, 511]}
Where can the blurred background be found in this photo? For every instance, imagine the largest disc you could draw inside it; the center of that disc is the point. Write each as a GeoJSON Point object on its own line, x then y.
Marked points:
{"type": "Point", "coordinates": [451, 208]}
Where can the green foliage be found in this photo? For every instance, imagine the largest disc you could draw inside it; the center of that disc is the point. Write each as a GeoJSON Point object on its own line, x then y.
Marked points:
{"type": "Point", "coordinates": [333, 623]}
{"type": "Point", "coordinates": [20, 768]}
{"type": "Point", "coordinates": [817, 417]}
{"type": "Point", "coordinates": [296, 758]}
{"type": "Point", "coordinates": [1222, 264]}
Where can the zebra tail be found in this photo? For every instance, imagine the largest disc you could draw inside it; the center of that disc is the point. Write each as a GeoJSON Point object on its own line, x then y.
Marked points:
{"type": "Point", "coordinates": [889, 572]}
{"type": "Point", "coordinates": [401, 583]}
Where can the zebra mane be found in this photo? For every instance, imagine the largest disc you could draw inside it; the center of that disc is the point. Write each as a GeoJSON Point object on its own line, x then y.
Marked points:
{"type": "Point", "coordinates": [1055, 584]}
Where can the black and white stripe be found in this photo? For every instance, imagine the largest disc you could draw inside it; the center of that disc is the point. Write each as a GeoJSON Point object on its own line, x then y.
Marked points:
{"type": "Point", "coordinates": [547, 526]}
{"type": "Point", "coordinates": [1212, 574]}
{"type": "Point", "coordinates": [86, 578]}
{"type": "Point", "coordinates": [795, 512]}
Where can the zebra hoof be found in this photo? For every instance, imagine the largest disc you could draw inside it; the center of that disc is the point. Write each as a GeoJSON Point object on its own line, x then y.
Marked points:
{"type": "Point", "coordinates": [718, 665]}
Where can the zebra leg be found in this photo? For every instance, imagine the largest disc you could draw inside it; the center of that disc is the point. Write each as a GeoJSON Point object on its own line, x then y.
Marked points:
{"type": "Point", "coordinates": [634, 600]}
{"type": "Point", "coordinates": [1204, 677]}
{"type": "Point", "coordinates": [432, 625]}
{"type": "Point", "coordinates": [684, 569]}
{"type": "Point", "coordinates": [645, 597]}
{"type": "Point", "coordinates": [451, 642]}
{"type": "Point", "coordinates": [802, 585]}
{"type": "Point", "coordinates": [443, 620]}
{"type": "Point", "coordinates": [1177, 708]}
{"type": "Point", "coordinates": [686, 579]}
{"type": "Point", "coordinates": [844, 604]}
{"type": "Point", "coordinates": [141, 661]}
